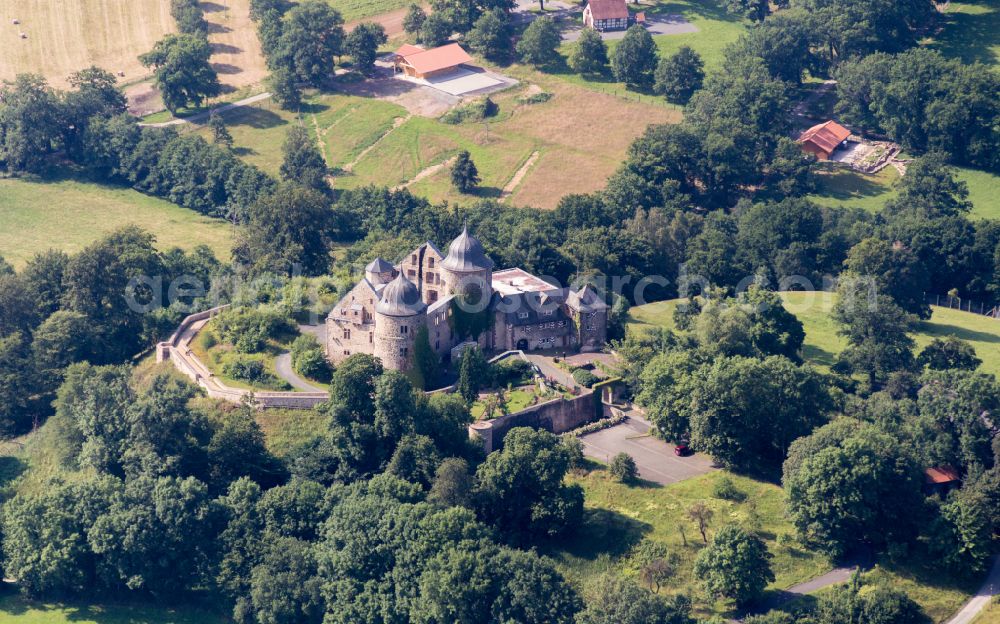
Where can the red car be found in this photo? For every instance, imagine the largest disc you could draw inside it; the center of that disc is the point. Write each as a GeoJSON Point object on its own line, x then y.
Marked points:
{"type": "Point", "coordinates": [682, 449]}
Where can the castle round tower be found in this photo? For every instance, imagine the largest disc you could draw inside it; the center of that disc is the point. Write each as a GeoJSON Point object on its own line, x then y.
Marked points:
{"type": "Point", "coordinates": [399, 314]}
{"type": "Point", "coordinates": [468, 270]}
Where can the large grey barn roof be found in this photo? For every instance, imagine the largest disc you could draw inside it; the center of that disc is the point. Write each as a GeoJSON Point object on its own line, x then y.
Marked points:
{"type": "Point", "coordinates": [378, 265]}
{"type": "Point", "coordinates": [400, 298]}
{"type": "Point", "coordinates": [466, 255]}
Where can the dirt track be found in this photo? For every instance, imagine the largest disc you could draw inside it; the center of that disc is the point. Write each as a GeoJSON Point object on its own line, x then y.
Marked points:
{"type": "Point", "coordinates": [236, 53]}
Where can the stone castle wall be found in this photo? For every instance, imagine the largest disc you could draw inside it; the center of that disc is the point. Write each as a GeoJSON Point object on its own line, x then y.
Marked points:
{"type": "Point", "coordinates": [556, 416]}
{"type": "Point", "coordinates": [177, 351]}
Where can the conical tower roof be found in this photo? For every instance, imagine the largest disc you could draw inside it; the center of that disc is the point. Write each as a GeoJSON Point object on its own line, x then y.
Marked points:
{"type": "Point", "coordinates": [400, 298]}
{"type": "Point", "coordinates": [466, 255]}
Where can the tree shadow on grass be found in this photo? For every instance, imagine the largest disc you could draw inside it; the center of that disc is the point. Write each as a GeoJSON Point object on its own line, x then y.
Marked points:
{"type": "Point", "coordinates": [970, 36]}
{"type": "Point", "coordinates": [846, 184]}
{"type": "Point", "coordinates": [942, 329]}
{"type": "Point", "coordinates": [602, 532]}
{"type": "Point", "coordinates": [253, 117]}
{"type": "Point", "coordinates": [10, 469]}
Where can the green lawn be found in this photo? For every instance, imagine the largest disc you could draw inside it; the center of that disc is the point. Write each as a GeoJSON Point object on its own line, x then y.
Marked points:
{"type": "Point", "coordinates": [716, 30]}
{"type": "Point", "coordinates": [517, 400]}
{"type": "Point", "coordinates": [822, 344]}
{"type": "Point", "coordinates": [619, 516]}
{"type": "Point", "coordinates": [69, 214]}
{"type": "Point", "coordinates": [971, 32]}
{"type": "Point", "coordinates": [17, 610]}
{"type": "Point", "coordinates": [361, 9]}
{"type": "Point", "coordinates": [838, 186]}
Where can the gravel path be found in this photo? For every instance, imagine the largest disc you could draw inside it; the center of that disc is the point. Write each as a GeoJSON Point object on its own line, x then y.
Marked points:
{"type": "Point", "coordinates": [283, 366]}
{"type": "Point", "coordinates": [989, 589]}
{"type": "Point", "coordinates": [200, 117]}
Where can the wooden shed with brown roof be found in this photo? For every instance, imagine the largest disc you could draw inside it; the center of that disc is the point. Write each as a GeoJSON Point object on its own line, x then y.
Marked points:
{"type": "Point", "coordinates": [422, 63]}
{"type": "Point", "coordinates": [823, 139]}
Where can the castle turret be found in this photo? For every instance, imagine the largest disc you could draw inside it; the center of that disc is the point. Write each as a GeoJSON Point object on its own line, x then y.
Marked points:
{"type": "Point", "coordinates": [468, 270]}
{"type": "Point", "coordinates": [379, 271]}
{"type": "Point", "coordinates": [399, 313]}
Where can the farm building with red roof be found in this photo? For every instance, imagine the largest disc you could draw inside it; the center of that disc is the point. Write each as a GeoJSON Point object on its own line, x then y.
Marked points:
{"type": "Point", "coordinates": [606, 15]}
{"type": "Point", "coordinates": [823, 139]}
{"type": "Point", "coordinates": [422, 63]}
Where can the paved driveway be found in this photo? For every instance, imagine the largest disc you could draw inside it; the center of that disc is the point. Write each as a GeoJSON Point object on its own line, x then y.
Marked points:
{"type": "Point", "coordinates": [654, 457]}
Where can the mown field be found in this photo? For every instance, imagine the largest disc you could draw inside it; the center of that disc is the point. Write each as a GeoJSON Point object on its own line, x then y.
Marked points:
{"type": "Point", "coordinates": [371, 141]}
{"type": "Point", "coordinates": [69, 35]}
{"type": "Point", "coordinates": [69, 214]}
{"type": "Point", "coordinates": [822, 343]}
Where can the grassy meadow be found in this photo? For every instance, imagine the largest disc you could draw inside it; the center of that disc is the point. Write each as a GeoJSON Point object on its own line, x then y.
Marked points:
{"type": "Point", "coordinates": [617, 517]}
{"type": "Point", "coordinates": [970, 32]}
{"type": "Point", "coordinates": [371, 141]}
{"type": "Point", "coordinates": [838, 186]}
{"type": "Point", "coordinates": [822, 343]}
{"type": "Point", "coordinates": [69, 214]}
{"type": "Point", "coordinates": [716, 30]}
{"type": "Point", "coordinates": [360, 9]}
{"type": "Point", "coordinates": [17, 610]}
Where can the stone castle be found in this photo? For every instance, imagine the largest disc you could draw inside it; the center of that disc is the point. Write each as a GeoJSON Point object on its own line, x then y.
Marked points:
{"type": "Point", "coordinates": [385, 311]}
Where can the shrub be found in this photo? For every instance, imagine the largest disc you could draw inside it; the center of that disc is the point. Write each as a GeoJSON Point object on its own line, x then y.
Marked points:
{"type": "Point", "coordinates": [474, 111]}
{"type": "Point", "coordinates": [252, 371]}
{"type": "Point", "coordinates": [249, 329]}
{"type": "Point", "coordinates": [585, 378]}
{"type": "Point", "coordinates": [623, 468]}
{"type": "Point", "coordinates": [725, 489]}
{"type": "Point", "coordinates": [511, 372]}
{"type": "Point", "coordinates": [535, 98]}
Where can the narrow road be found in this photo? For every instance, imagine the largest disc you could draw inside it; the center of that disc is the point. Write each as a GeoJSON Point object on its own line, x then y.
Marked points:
{"type": "Point", "coordinates": [200, 117]}
{"type": "Point", "coordinates": [551, 370]}
{"type": "Point", "coordinates": [283, 366]}
{"type": "Point", "coordinates": [989, 589]}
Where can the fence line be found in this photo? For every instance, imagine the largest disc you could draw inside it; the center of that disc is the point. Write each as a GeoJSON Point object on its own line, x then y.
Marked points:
{"type": "Point", "coordinates": [964, 305]}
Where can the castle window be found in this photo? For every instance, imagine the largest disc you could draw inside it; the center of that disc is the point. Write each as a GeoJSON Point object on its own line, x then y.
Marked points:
{"type": "Point", "coordinates": [432, 295]}
{"type": "Point", "coordinates": [371, 337]}
{"type": "Point", "coordinates": [413, 258]}
{"type": "Point", "coordinates": [404, 329]}
{"type": "Point", "coordinates": [403, 351]}
{"type": "Point", "coordinates": [346, 352]}
{"type": "Point", "coordinates": [347, 334]}
{"type": "Point", "coordinates": [411, 273]}
{"type": "Point", "coordinates": [430, 278]}
{"type": "Point", "coordinates": [430, 263]}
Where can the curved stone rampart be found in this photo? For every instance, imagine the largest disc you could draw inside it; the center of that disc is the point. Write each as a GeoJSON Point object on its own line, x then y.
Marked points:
{"type": "Point", "coordinates": [177, 350]}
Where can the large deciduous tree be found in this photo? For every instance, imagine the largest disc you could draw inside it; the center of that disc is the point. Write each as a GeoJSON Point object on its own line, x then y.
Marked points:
{"type": "Point", "coordinates": [735, 565]}
{"type": "Point", "coordinates": [184, 75]}
{"type": "Point", "coordinates": [849, 485]}
{"type": "Point", "coordinates": [635, 57]}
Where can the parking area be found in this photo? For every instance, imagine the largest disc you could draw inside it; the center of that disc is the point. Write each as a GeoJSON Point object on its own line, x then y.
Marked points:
{"type": "Point", "coordinates": [463, 81]}
{"type": "Point", "coordinates": [654, 457]}
{"type": "Point", "coordinates": [655, 24]}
